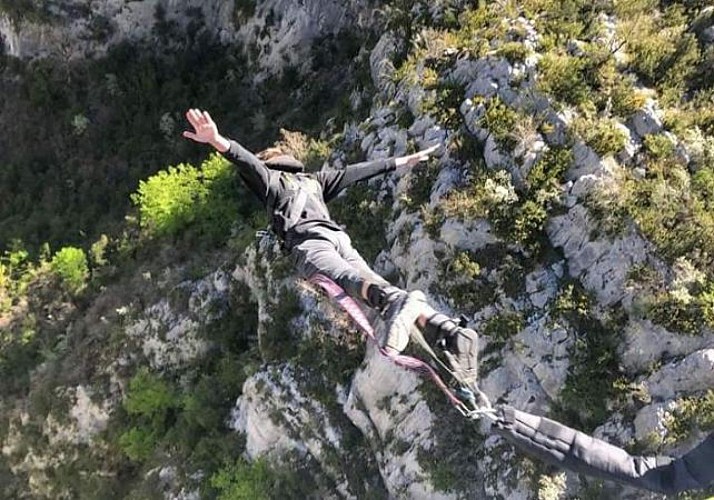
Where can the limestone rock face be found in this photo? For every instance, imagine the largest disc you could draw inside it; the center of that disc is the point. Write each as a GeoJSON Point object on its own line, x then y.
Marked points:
{"type": "Point", "coordinates": [645, 344]}
{"type": "Point", "coordinates": [279, 419]}
{"type": "Point", "coordinates": [77, 30]}
{"type": "Point", "coordinates": [170, 336]}
{"type": "Point", "coordinates": [284, 30]}
{"type": "Point", "coordinates": [385, 404]}
{"type": "Point", "coordinates": [648, 120]}
{"type": "Point", "coordinates": [601, 265]}
{"type": "Point", "coordinates": [281, 30]}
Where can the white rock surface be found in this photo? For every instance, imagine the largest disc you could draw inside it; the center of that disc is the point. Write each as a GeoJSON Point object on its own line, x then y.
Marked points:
{"type": "Point", "coordinates": [647, 120]}
{"type": "Point", "coordinates": [544, 349]}
{"type": "Point", "coordinates": [692, 374]}
{"type": "Point", "coordinates": [645, 344]}
{"type": "Point", "coordinates": [468, 235]}
{"type": "Point", "coordinates": [601, 265]}
{"type": "Point", "coordinates": [385, 405]}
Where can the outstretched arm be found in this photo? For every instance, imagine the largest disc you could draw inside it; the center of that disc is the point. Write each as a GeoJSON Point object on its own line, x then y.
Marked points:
{"type": "Point", "coordinates": [253, 171]}
{"type": "Point", "coordinates": [335, 181]}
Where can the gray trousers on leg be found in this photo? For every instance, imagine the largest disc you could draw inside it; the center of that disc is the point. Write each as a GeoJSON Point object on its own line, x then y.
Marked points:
{"type": "Point", "coordinates": [560, 445]}
{"type": "Point", "coordinates": [331, 253]}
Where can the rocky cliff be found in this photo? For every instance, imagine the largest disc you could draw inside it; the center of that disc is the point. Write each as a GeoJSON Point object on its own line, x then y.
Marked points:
{"type": "Point", "coordinates": [587, 313]}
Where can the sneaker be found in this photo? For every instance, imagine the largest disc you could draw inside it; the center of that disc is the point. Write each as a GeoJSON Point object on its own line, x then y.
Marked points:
{"type": "Point", "coordinates": [458, 344]}
{"type": "Point", "coordinates": [400, 317]}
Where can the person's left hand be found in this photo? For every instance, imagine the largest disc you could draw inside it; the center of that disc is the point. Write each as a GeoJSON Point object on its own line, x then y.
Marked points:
{"type": "Point", "coordinates": [419, 156]}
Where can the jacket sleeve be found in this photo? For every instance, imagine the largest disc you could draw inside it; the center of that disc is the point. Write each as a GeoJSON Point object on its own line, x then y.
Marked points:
{"type": "Point", "coordinates": [334, 181]}
{"type": "Point", "coordinates": [253, 171]}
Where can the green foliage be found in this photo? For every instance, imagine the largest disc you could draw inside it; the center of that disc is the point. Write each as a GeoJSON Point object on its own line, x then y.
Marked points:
{"type": "Point", "coordinates": [185, 197]}
{"type": "Point", "coordinates": [606, 138]}
{"type": "Point", "coordinates": [421, 180]}
{"type": "Point", "coordinates": [500, 120]}
{"type": "Point", "coordinates": [602, 135]}
{"type": "Point", "coordinates": [70, 265]}
{"type": "Point", "coordinates": [515, 52]}
{"type": "Point", "coordinates": [477, 27]}
{"type": "Point", "coordinates": [683, 311]}
{"type": "Point", "coordinates": [98, 251]}
{"type": "Point", "coordinates": [56, 185]}
{"type": "Point", "coordinates": [594, 363]}
{"type": "Point", "coordinates": [690, 414]}
{"type": "Point", "coordinates": [549, 171]}
{"type": "Point", "coordinates": [464, 266]}
{"type": "Point", "coordinates": [150, 401]}
{"type": "Point", "coordinates": [16, 274]}
{"type": "Point", "coordinates": [551, 486]}
{"type": "Point", "coordinates": [661, 49]}
{"type": "Point", "coordinates": [277, 338]}
{"type": "Point", "coordinates": [243, 481]}
{"type": "Point", "coordinates": [502, 327]}
{"type": "Point", "coordinates": [138, 443]}
{"type": "Point", "coordinates": [564, 77]}
{"type": "Point", "coordinates": [444, 104]}
{"type": "Point", "coordinates": [658, 146]}
{"type": "Point", "coordinates": [672, 209]}
{"type": "Point", "coordinates": [148, 395]}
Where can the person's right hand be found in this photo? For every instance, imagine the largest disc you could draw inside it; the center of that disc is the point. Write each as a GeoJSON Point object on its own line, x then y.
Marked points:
{"type": "Point", "coordinates": [205, 129]}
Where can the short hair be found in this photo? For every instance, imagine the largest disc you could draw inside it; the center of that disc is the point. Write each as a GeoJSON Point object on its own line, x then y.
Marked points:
{"type": "Point", "coordinates": [269, 153]}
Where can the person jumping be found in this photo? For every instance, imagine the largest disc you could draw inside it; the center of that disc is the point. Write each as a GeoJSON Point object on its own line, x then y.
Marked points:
{"type": "Point", "coordinates": [296, 205]}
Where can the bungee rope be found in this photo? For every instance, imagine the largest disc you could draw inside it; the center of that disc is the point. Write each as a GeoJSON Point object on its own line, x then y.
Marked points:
{"type": "Point", "coordinates": [468, 399]}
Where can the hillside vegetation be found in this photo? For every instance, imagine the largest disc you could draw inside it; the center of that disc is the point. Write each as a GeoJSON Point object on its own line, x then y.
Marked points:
{"type": "Point", "coordinates": [137, 305]}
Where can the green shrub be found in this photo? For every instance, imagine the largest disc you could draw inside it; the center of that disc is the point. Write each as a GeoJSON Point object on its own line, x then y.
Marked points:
{"type": "Point", "coordinates": [444, 104]}
{"type": "Point", "coordinates": [138, 443]}
{"type": "Point", "coordinates": [662, 51]}
{"type": "Point", "coordinates": [514, 52]}
{"type": "Point", "coordinates": [690, 414]}
{"type": "Point", "coordinates": [502, 327]}
{"type": "Point", "coordinates": [421, 180]}
{"type": "Point", "coordinates": [563, 77]}
{"type": "Point", "coordinates": [602, 135]}
{"type": "Point", "coordinates": [594, 364]}
{"type": "Point", "coordinates": [682, 311]}
{"type": "Point", "coordinates": [16, 273]}
{"type": "Point", "coordinates": [98, 251]}
{"type": "Point", "coordinates": [550, 168]}
{"type": "Point", "coordinates": [243, 481]}
{"type": "Point", "coordinates": [658, 146]}
{"type": "Point", "coordinates": [149, 401]}
{"type": "Point", "coordinates": [148, 395]}
{"type": "Point", "coordinates": [528, 224]}
{"type": "Point", "coordinates": [465, 267]}
{"type": "Point", "coordinates": [500, 120]}
{"type": "Point", "coordinates": [184, 197]}
{"type": "Point", "coordinates": [70, 265]}
{"type": "Point", "coordinates": [168, 200]}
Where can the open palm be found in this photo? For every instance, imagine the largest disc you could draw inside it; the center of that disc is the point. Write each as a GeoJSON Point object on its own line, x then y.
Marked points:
{"type": "Point", "coordinates": [204, 128]}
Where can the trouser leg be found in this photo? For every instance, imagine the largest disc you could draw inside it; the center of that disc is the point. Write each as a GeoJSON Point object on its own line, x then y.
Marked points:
{"type": "Point", "coordinates": [334, 257]}
{"type": "Point", "coordinates": [318, 256]}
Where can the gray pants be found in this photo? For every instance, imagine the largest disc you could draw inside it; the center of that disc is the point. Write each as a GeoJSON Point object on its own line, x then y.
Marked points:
{"type": "Point", "coordinates": [565, 447]}
{"type": "Point", "coordinates": [331, 253]}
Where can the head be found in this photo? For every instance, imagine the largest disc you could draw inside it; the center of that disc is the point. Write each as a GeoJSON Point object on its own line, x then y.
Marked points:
{"type": "Point", "coordinates": [277, 159]}
{"type": "Point", "coordinates": [270, 153]}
